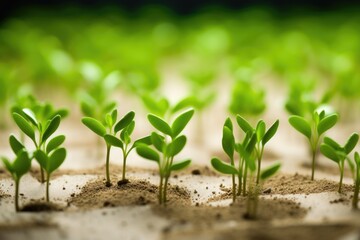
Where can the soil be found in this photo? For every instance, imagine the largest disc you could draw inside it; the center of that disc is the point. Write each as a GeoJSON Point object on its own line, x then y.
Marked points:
{"type": "Point", "coordinates": [136, 192]}
{"type": "Point", "coordinates": [39, 206]}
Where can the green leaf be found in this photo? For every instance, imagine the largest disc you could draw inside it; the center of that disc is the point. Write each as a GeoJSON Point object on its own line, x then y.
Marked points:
{"type": "Point", "coordinates": [184, 103]}
{"type": "Point", "coordinates": [41, 158]}
{"type": "Point", "coordinates": [21, 164]}
{"type": "Point", "coordinates": [30, 116]}
{"type": "Point", "coordinates": [357, 158]}
{"type": "Point", "coordinates": [228, 124]}
{"type": "Point", "coordinates": [270, 171]}
{"type": "Point", "coordinates": [56, 159]}
{"type": "Point", "coordinates": [180, 122]}
{"type": "Point", "coordinates": [180, 165]}
{"type": "Point", "coordinates": [228, 142]}
{"type": "Point", "coordinates": [176, 145]}
{"type": "Point", "coordinates": [223, 167]}
{"type": "Point", "coordinates": [145, 140]}
{"type": "Point", "coordinates": [55, 143]}
{"type": "Point", "coordinates": [260, 130]}
{"type": "Point", "coordinates": [158, 141]}
{"type": "Point", "coordinates": [251, 144]}
{"type": "Point", "coordinates": [148, 153]}
{"type": "Point", "coordinates": [15, 144]}
{"type": "Point", "coordinates": [113, 141]}
{"type": "Point", "coordinates": [326, 123]}
{"type": "Point", "coordinates": [114, 114]}
{"type": "Point", "coordinates": [7, 164]}
{"type": "Point", "coordinates": [301, 125]}
{"type": "Point", "coordinates": [270, 133]}
{"type": "Point", "coordinates": [52, 127]}
{"type": "Point", "coordinates": [24, 126]}
{"type": "Point", "coordinates": [329, 152]}
{"type": "Point", "coordinates": [125, 121]}
{"type": "Point", "coordinates": [94, 125]}
{"type": "Point", "coordinates": [243, 124]}
{"type": "Point", "coordinates": [160, 124]}
{"type": "Point", "coordinates": [332, 143]}
{"type": "Point", "coordinates": [250, 161]}
{"type": "Point", "coordinates": [351, 143]}
{"type": "Point", "coordinates": [62, 112]}
{"type": "Point", "coordinates": [87, 109]}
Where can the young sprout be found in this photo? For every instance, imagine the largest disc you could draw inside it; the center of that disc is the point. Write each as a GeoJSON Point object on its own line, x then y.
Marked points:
{"type": "Point", "coordinates": [39, 124]}
{"type": "Point", "coordinates": [337, 153]}
{"type": "Point", "coordinates": [18, 168]}
{"type": "Point", "coordinates": [169, 143]}
{"type": "Point", "coordinates": [314, 130]}
{"type": "Point", "coordinates": [356, 180]}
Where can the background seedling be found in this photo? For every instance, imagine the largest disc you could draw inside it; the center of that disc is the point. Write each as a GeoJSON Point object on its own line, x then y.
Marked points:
{"type": "Point", "coordinates": [39, 124]}
{"type": "Point", "coordinates": [313, 130]}
{"type": "Point", "coordinates": [20, 166]}
{"type": "Point", "coordinates": [337, 153]}
{"type": "Point", "coordinates": [168, 143]}
{"type": "Point", "coordinates": [356, 180]}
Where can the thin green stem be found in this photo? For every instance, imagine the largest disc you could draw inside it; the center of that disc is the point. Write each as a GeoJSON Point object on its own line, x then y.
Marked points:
{"type": "Point", "coordinates": [124, 162]}
{"type": "Point", "coordinates": [341, 166]}
{"type": "Point", "coordinates": [313, 164]}
{"type": "Point", "coordinates": [42, 175]}
{"type": "Point", "coordinates": [17, 208]}
{"type": "Point", "coordinates": [259, 165]}
{"type": "Point", "coordinates": [165, 189]}
{"type": "Point", "coordinates": [245, 178]}
{"type": "Point", "coordinates": [161, 190]}
{"type": "Point", "coordinates": [108, 182]}
{"type": "Point", "coordinates": [47, 188]}
{"type": "Point", "coordinates": [356, 193]}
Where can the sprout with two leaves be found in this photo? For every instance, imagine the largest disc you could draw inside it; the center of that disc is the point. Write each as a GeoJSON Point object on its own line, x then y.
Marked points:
{"type": "Point", "coordinates": [337, 153]}
{"type": "Point", "coordinates": [313, 130]}
{"type": "Point", "coordinates": [20, 166]}
{"type": "Point", "coordinates": [168, 143]}
{"type": "Point", "coordinates": [109, 131]}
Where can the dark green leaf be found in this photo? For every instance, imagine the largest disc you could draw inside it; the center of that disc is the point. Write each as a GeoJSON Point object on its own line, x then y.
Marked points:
{"type": "Point", "coordinates": [125, 121]}
{"type": "Point", "coordinates": [270, 171]}
{"type": "Point", "coordinates": [113, 141]}
{"type": "Point", "coordinates": [228, 124]}
{"type": "Point", "coordinates": [180, 165]}
{"type": "Point", "coordinates": [56, 159]}
{"type": "Point", "coordinates": [24, 126]}
{"type": "Point", "coordinates": [223, 167]}
{"type": "Point", "coordinates": [243, 124]}
{"type": "Point", "coordinates": [270, 133]}
{"type": "Point", "coordinates": [329, 152]}
{"type": "Point", "coordinates": [228, 142]}
{"type": "Point", "coordinates": [301, 125]}
{"type": "Point", "coordinates": [326, 123]}
{"type": "Point", "coordinates": [158, 141]}
{"type": "Point", "coordinates": [160, 124]}
{"type": "Point", "coordinates": [55, 143]}
{"type": "Point", "coordinates": [176, 146]}
{"type": "Point", "coordinates": [180, 122]}
{"type": "Point", "coordinates": [30, 116]}
{"type": "Point", "coordinates": [357, 158]}
{"type": "Point", "coordinates": [148, 153]}
{"type": "Point", "coordinates": [145, 140]}
{"type": "Point", "coordinates": [15, 144]}
{"type": "Point", "coordinates": [41, 158]}
{"type": "Point", "coordinates": [21, 164]}
{"type": "Point", "coordinates": [351, 143]}
{"type": "Point", "coordinates": [336, 146]}
{"type": "Point", "coordinates": [251, 144]}
{"type": "Point", "coordinates": [52, 127]}
{"type": "Point", "coordinates": [94, 125]}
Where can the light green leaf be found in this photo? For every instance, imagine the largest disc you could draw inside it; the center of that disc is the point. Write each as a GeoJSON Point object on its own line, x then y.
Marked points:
{"type": "Point", "coordinates": [125, 121]}
{"type": "Point", "coordinates": [56, 159]}
{"type": "Point", "coordinates": [260, 130]}
{"type": "Point", "coordinates": [160, 124]}
{"type": "Point", "coordinates": [357, 158]}
{"type": "Point", "coordinates": [176, 146]}
{"type": "Point", "coordinates": [180, 165]}
{"type": "Point", "coordinates": [326, 123]}
{"type": "Point", "coordinates": [270, 171]}
{"type": "Point", "coordinates": [52, 127]}
{"type": "Point", "coordinates": [158, 141]}
{"type": "Point", "coordinates": [228, 124]}
{"type": "Point", "coordinates": [332, 143]}
{"type": "Point", "coordinates": [30, 116]}
{"type": "Point", "coordinates": [94, 125]}
{"type": "Point", "coordinates": [41, 158]}
{"type": "Point", "coordinates": [351, 143]}
{"type": "Point", "coordinates": [223, 167]}
{"type": "Point", "coordinates": [301, 125]}
{"type": "Point", "coordinates": [55, 143]}
{"type": "Point", "coordinates": [270, 133]}
{"type": "Point", "coordinates": [24, 125]}
{"type": "Point", "coordinates": [15, 144]}
{"type": "Point", "coordinates": [145, 140]}
{"type": "Point", "coordinates": [329, 152]}
{"type": "Point", "coordinates": [113, 141]}
{"type": "Point", "coordinates": [7, 164]}
{"type": "Point", "coordinates": [148, 153]}
{"type": "Point", "coordinates": [180, 122]}
{"type": "Point", "coordinates": [228, 142]}
{"type": "Point", "coordinates": [243, 124]}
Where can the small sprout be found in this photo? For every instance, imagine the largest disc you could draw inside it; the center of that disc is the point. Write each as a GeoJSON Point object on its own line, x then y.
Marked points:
{"type": "Point", "coordinates": [356, 180]}
{"type": "Point", "coordinates": [337, 153]}
{"type": "Point", "coordinates": [17, 169]}
{"type": "Point", "coordinates": [314, 130]}
{"type": "Point", "coordinates": [166, 145]}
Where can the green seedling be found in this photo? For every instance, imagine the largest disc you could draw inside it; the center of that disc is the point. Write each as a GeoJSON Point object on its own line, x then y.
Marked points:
{"type": "Point", "coordinates": [108, 131]}
{"type": "Point", "coordinates": [337, 153]}
{"type": "Point", "coordinates": [356, 180]}
{"type": "Point", "coordinates": [39, 124]}
{"type": "Point", "coordinates": [167, 145]}
{"type": "Point", "coordinates": [18, 168]}
{"type": "Point", "coordinates": [314, 130]}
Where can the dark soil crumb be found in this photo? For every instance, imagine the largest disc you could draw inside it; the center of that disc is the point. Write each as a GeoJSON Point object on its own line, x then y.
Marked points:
{"type": "Point", "coordinates": [340, 200]}
{"type": "Point", "coordinates": [36, 206]}
{"type": "Point", "coordinates": [208, 216]}
{"type": "Point", "coordinates": [196, 172]}
{"type": "Point", "coordinates": [137, 192]}
{"type": "Point", "coordinates": [268, 232]}
{"type": "Point", "coordinates": [123, 182]}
